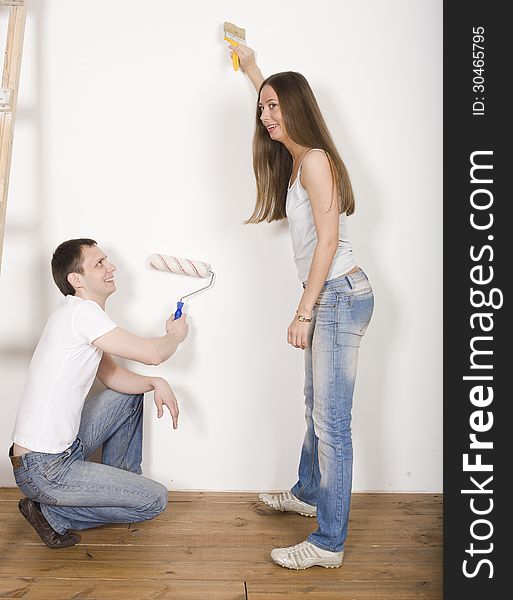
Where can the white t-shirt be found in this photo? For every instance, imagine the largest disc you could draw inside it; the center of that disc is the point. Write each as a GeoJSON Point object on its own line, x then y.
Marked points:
{"type": "Point", "coordinates": [60, 375]}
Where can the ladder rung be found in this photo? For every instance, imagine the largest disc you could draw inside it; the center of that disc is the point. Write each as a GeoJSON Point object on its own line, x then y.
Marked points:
{"type": "Point", "coordinates": [12, 2]}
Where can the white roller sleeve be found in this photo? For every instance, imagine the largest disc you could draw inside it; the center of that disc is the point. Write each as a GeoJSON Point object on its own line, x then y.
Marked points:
{"type": "Point", "coordinates": [180, 266]}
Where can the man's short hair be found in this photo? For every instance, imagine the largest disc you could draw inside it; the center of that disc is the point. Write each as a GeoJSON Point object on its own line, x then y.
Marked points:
{"type": "Point", "coordinates": [67, 259]}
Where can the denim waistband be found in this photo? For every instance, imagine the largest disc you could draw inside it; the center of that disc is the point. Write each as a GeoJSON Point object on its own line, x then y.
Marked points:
{"type": "Point", "coordinates": [30, 457]}
{"type": "Point", "coordinates": [349, 280]}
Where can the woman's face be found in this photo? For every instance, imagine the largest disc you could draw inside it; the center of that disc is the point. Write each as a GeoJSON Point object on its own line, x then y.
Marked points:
{"type": "Point", "coordinates": [270, 114]}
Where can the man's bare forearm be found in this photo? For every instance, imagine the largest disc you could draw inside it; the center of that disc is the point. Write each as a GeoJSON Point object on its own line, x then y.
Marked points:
{"type": "Point", "coordinates": [119, 379]}
{"type": "Point", "coordinates": [165, 347]}
{"type": "Point", "coordinates": [150, 351]}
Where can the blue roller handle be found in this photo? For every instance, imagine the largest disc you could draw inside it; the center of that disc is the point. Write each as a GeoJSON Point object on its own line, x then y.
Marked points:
{"type": "Point", "coordinates": [178, 312]}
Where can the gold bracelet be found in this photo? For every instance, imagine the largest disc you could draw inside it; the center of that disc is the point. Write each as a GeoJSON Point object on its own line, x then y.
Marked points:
{"type": "Point", "coordinates": [303, 319]}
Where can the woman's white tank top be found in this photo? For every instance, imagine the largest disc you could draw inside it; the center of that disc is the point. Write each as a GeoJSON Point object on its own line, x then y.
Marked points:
{"type": "Point", "coordinates": [304, 236]}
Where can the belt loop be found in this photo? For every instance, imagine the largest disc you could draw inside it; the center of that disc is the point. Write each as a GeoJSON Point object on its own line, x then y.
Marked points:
{"type": "Point", "coordinates": [349, 281]}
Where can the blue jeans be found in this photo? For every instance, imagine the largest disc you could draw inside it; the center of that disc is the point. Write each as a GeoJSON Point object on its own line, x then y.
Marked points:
{"type": "Point", "coordinates": [340, 318]}
{"type": "Point", "coordinates": [77, 494]}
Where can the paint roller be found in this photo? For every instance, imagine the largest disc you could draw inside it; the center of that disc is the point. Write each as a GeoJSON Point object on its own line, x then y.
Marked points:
{"type": "Point", "coordinates": [183, 266]}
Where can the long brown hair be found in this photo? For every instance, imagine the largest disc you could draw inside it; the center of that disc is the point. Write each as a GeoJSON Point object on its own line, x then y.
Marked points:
{"type": "Point", "coordinates": [272, 162]}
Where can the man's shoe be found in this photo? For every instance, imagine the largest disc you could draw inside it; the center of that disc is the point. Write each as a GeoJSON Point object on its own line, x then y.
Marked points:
{"type": "Point", "coordinates": [306, 555]}
{"type": "Point", "coordinates": [31, 511]}
{"type": "Point", "coordinates": [287, 502]}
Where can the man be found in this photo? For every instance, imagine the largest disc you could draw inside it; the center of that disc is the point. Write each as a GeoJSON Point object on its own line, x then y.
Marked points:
{"type": "Point", "coordinates": [56, 431]}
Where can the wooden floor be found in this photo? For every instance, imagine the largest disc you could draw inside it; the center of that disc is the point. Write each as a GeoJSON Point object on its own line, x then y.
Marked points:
{"type": "Point", "coordinates": [216, 546]}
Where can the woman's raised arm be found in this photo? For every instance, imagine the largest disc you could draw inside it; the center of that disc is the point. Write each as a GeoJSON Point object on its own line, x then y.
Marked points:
{"type": "Point", "coordinates": [248, 64]}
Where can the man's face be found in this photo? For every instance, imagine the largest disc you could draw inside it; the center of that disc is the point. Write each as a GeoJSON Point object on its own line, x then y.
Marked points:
{"type": "Point", "coordinates": [97, 279]}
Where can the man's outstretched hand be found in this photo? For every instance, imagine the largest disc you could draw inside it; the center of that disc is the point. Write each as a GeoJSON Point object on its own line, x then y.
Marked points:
{"type": "Point", "coordinates": [164, 396]}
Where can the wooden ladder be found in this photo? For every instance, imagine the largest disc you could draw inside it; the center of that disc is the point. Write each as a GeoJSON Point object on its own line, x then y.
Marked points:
{"type": "Point", "coordinates": [9, 98]}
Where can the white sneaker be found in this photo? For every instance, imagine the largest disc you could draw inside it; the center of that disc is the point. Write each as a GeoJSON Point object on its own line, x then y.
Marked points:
{"type": "Point", "coordinates": [287, 502]}
{"type": "Point", "coordinates": [305, 555]}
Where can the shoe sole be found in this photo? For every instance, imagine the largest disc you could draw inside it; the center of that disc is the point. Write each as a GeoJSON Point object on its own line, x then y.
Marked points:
{"type": "Point", "coordinates": [309, 567]}
{"type": "Point", "coordinates": [280, 510]}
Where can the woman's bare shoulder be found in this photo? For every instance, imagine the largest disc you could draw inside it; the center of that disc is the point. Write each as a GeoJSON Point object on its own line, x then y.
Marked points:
{"type": "Point", "coordinates": [315, 167]}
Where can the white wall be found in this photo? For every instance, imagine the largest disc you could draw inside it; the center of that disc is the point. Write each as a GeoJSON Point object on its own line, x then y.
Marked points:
{"type": "Point", "coordinates": [133, 129]}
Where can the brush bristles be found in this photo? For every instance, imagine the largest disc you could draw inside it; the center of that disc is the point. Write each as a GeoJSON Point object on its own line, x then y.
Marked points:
{"type": "Point", "coordinates": [231, 29]}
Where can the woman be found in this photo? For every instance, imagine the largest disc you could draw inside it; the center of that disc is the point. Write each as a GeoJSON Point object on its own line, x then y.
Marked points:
{"type": "Point", "coordinates": [301, 176]}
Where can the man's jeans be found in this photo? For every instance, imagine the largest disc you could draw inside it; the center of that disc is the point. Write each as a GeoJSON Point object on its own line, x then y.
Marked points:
{"type": "Point", "coordinates": [78, 494]}
{"type": "Point", "coordinates": [340, 318]}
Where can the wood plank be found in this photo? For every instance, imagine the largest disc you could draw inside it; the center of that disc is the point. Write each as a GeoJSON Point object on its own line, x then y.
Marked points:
{"type": "Point", "coordinates": [371, 529]}
{"type": "Point", "coordinates": [359, 590]}
{"type": "Point", "coordinates": [387, 500]}
{"type": "Point", "coordinates": [256, 513]}
{"type": "Point", "coordinates": [57, 589]}
{"type": "Point", "coordinates": [52, 588]}
{"type": "Point", "coordinates": [91, 553]}
{"type": "Point", "coordinates": [22, 534]}
{"type": "Point", "coordinates": [218, 563]}
{"type": "Point", "coordinates": [210, 572]}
